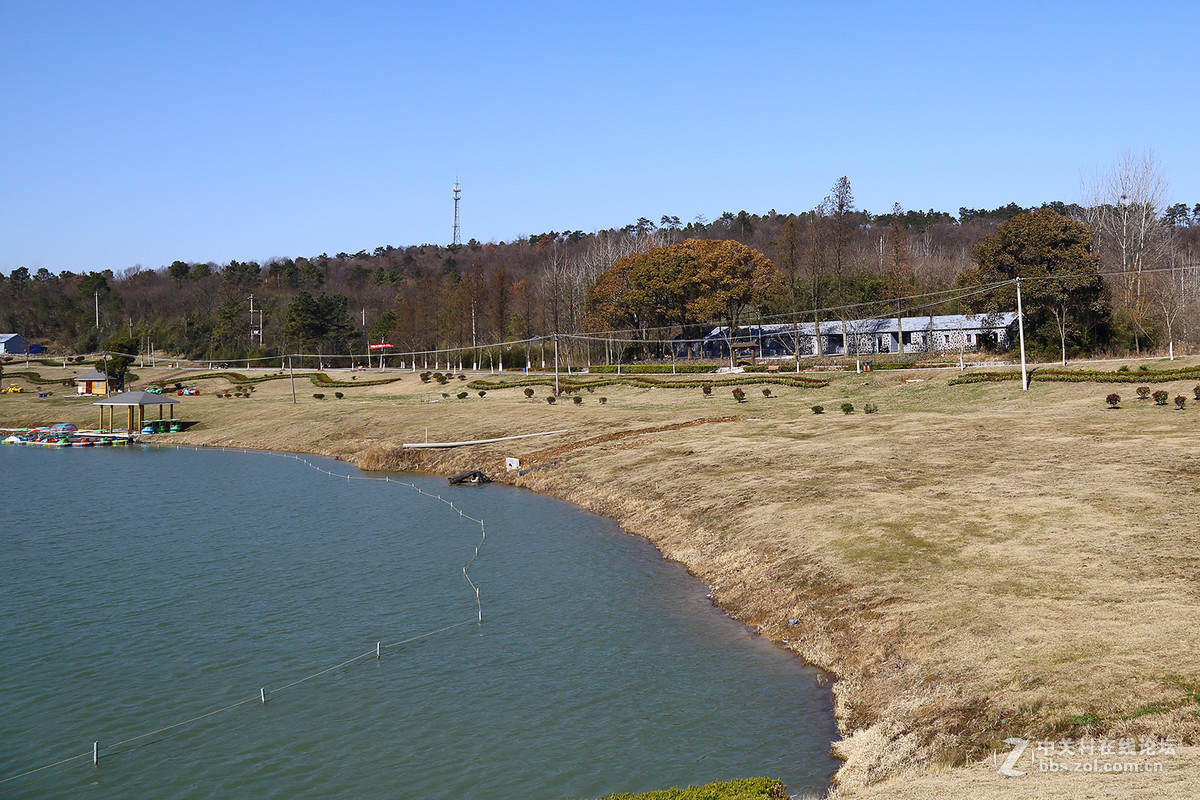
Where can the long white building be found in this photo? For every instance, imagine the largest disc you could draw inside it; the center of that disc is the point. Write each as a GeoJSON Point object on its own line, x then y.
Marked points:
{"type": "Point", "coordinates": [940, 333]}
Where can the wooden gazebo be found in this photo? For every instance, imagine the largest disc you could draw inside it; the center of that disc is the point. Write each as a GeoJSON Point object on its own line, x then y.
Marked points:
{"type": "Point", "coordinates": [130, 400]}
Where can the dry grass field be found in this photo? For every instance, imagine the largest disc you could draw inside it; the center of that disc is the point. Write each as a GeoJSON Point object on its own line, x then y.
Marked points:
{"type": "Point", "coordinates": [971, 562]}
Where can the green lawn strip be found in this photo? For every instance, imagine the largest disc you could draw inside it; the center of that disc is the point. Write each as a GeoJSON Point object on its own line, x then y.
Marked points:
{"type": "Point", "coordinates": [744, 789]}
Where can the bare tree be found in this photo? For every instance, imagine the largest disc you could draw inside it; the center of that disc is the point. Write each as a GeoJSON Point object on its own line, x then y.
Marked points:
{"type": "Point", "coordinates": [1123, 206]}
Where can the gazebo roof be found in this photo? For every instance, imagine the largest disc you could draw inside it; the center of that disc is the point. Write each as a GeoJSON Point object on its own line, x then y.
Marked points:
{"type": "Point", "coordinates": [94, 375]}
{"type": "Point", "coordinates": [137, 399]}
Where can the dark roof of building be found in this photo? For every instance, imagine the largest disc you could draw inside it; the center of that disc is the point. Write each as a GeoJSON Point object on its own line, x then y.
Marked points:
{"type": "Point", "coordinates": [136, 399]}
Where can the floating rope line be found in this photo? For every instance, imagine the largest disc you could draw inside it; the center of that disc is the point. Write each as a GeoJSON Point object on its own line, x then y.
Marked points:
{"type": "Point", "coordinates": [144, 739]}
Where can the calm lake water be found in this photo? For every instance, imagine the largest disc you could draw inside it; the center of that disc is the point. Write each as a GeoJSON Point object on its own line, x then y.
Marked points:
{"type": "Point", "coordinates": [146, 587]}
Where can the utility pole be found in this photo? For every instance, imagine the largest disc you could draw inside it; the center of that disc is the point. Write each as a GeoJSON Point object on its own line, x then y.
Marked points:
{"type": "Point", "coordinates": [97, 309]}
{"type": "Point", "coordinates": [556, 365]}
{"type": "Point", "coordinates": [1021, 331]}
{"type": "Point", "coordinates": [252, 328]}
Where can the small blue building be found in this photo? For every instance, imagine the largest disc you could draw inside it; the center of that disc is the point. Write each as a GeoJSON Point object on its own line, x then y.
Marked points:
{"type": "Point", "coordinates": [13, 344]}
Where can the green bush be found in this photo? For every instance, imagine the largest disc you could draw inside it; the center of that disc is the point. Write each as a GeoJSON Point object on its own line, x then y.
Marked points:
{"type": "Point", "coordinates": [1180, 402]}
{"type": "Point", "coordinates": [338, 395]}
{"type": "Point", "coordinates": [742, 789]}
{"type": "Point", "coordinates": [603, 400]}
{"type": "Point", "coordinates": [550, 399]}
{"type": "Point", "coordinates": [1196, 391]}
{"type": "Point", "coordinates": [870, 408]}
{"type": "Point", "coordinates": [1160, 397]}
{"type": "Point", "coordinates": [462, 395]}
{"type": "Point", "coordinates": [577, 399]}
{"type": "Point", "coordinates": [317, 395]}
{"type": "Point", "coordinates": [1143, 392]}
{"type": "Point", "coordinates": [766, 391]}
{"type": "Point", "coordinates": [818, 409]}
{"type": "Point", "coordinates": [739, 395]}
{"type": "Point", "coordinates": [847, 408]}
{"type": "Point", "coordinates": [481, 393]}
{"type": "Point", "coordinates": [425, 377]}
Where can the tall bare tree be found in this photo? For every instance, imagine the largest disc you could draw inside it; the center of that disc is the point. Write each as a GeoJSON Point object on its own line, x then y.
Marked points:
{"type": "Point", "coordinates": [1124, 208]}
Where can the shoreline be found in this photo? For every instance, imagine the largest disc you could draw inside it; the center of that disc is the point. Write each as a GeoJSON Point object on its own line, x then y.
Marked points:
{"type": "Point", "coordinates": [936, 563]}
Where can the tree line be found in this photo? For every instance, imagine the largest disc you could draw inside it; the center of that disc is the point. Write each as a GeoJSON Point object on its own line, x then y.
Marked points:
{"type": "Point", "coordinates": [829, 257]}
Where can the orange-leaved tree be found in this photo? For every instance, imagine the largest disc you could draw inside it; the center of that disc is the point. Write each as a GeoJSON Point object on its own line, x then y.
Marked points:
{"type": "Point", "coordinates": [684, 285]}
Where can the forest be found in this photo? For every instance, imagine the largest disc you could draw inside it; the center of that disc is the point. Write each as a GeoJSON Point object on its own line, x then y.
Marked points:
{"type": "Point", "coordinates": [828, 258]}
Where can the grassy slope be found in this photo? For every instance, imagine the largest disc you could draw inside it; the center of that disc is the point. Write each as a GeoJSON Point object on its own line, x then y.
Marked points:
{"type": "Point", "coordinates": [972, 562]}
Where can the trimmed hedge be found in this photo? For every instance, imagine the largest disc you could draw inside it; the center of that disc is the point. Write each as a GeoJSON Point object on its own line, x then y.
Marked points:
{"type": "Point", "coordinates": [573, 383]}
{"type": "Point", "coordinates": [1059, 375]}
{"type": "Point", "coordinates": [654, 369]}
{"type": "Point", "coordinates": [317, 378]}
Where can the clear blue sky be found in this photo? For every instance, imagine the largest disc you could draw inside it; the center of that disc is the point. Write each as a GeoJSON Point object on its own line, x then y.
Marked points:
{"type": "Point", "coordinates": [140, 133]}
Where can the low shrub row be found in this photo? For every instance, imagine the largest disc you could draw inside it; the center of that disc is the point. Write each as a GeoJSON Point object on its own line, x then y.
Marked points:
{"type": "Point", "coordinates": [1059, 375]}
{"type": "Point", "coordinates": [653, 369]}
{"type": "Point", "coordinates": [1160, 398]}
{"type": "Point", "coordinates": [574, 384]}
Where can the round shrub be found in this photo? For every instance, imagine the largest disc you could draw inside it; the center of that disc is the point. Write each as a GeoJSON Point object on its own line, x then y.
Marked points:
{"type": "Point", "coordinates": [766, 391]}
{"type": "Point", "coordinates": [1113, 400]}
{"type": "Point", "coordinates": [318, 396]}
{"type": "Point", "coordinates": [529, 391]}
{"type": "Point", "coordinates": [338, 395]}
{"type": "Point", "coordinates": [577, 399]}
{"type": "Point", "coordinates": [550, 399]}
{"type": "Point", "coordinates": [462, 395]}
{"type": "Point", "coordinates": [1196, 391]}
{"type": "Point", "coordinates": [818, 409]}
{"type": "Point", "coordinates": [482, 393]}
{"type": "Point", "coordinates": [1180, 402]}
{"type": "Point", "coordinates": [707, 389]}
{"type": "Point", "coordinates": [603, 400]}
{"type": "Point", "coordinates": [847, 408]}
{"type": "Point", "coordinates": [739, 395]}
{"type": "Point", "coordinates": [1160, 397]}
{"type": "Point", "coordinates": [1143, 392]}
{"type": "Point", "coordinates": [870, 408]}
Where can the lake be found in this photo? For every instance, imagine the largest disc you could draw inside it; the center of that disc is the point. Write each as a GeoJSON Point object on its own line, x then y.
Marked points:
{"type": "Point", "coordinates": [153, 595]}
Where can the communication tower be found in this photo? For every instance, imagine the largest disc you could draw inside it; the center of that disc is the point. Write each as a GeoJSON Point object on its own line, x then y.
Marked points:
{"type": "Point", "coordinates": [457, 190]}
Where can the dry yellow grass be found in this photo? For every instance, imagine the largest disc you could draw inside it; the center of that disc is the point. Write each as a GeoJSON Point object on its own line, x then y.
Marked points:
{"type": "Point", "coordinates": [971, 562]}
